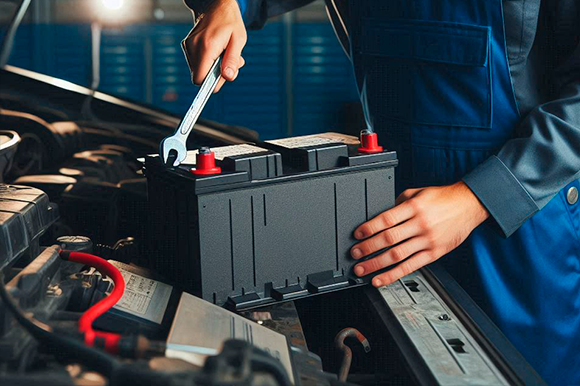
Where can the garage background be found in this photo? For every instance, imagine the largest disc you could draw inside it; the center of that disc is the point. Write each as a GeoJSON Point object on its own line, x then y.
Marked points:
{"type": "Point", "coordinates": [297, 79]}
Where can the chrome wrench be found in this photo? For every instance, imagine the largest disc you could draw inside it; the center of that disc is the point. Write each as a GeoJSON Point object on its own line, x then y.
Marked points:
{"type": "Point", "coordinates": [172, 149]}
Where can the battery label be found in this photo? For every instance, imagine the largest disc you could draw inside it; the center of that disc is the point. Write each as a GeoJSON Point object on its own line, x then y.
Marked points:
{"type": "Point", "coordinates": [143, 297]}
{"type": "Point", "coordinates": [315, 140]}
{"type": "Point", "coordinates": [226, 151]}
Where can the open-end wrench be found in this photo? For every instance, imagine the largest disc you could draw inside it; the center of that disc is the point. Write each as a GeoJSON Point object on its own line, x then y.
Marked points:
{"type": "Point", "coordinates": [172, 149]}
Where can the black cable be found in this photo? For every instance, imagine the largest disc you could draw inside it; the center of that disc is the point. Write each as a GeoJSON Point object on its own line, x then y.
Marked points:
{"type": "Point", "coordinates": [261, 361]}
{"type": "Point", "coordinates": [102, 362]}
{"type": "Point", "coordinates": [120, 129]}
{"type": "Point", "coordinates": [23, 362]}
{"type": "Point", "coordinates": [47, 378]}
{"type": "Point", "coordinates": [122, 136]}
{"type": "Point", "coordinates": [92, 358]}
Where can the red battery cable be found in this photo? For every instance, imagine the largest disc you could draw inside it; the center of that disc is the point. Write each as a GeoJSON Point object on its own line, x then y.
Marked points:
{"type": "Point", "coordinates": [110, 341]}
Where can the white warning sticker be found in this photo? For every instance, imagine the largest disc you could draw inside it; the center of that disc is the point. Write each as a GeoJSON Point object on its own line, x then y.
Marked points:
{"type": "Point", "coordinates": [226, 151]}
{"type": "Point", "coordinates": [135, 302]}
{"type": "Point", "coordinates": [314, 140]}
{"type": "Point", "coordinates": [143, 297]}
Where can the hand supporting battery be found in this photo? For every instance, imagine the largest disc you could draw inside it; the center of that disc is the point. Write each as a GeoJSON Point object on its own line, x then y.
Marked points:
{"type": "Point", "coordinates": [425, 224]}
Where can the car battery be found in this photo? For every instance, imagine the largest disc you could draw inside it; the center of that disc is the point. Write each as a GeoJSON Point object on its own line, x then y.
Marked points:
{"type": "Point", "coordinates": [273, 221]}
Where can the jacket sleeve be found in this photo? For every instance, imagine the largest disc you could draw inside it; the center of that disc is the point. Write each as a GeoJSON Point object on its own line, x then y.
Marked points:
{"type": "Point", "coordinates": [255, 12]}
{"type": "Point", "coordinates": [544, 156]}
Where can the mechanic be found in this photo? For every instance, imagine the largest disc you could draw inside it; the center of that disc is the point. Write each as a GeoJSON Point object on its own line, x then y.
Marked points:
{"type": "Point", "coordinates": [481, 100]}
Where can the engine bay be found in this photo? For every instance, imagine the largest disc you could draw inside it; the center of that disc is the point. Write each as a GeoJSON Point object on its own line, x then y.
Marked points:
{"type": "Point", "coordinates": [73, 186]}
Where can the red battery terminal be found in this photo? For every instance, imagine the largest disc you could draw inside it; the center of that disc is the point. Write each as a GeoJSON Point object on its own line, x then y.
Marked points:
{"type": "Point", "coordinates": [205, 163]}
{"type": "Point", "coordinates": [369, 142]}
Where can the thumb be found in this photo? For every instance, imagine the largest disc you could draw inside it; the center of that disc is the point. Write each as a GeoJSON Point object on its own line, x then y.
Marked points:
{"type": "Point", "coordinates": [231, 60]}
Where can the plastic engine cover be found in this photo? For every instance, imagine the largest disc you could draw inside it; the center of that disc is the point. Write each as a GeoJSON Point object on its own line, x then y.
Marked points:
{"type": "Point", "coordinates": [25, 214]}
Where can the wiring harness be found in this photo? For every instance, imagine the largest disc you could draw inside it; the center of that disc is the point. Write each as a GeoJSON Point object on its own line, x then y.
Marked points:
{"type": "Point", "coordinates": [237, 358]}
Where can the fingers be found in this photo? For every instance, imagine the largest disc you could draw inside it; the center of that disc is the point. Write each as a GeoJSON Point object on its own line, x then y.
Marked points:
{"type": "Point", "coordinates": [221, 30]}
{"type": "Point", "coordinates": [407, 194]}
{"type": "Point", "coordinates": [202, 48]}
{"type": "Point", "coordinates": [187, 48]}
{"type": "Point", "coordinates": [385, 220]}
{"type": "Point", "coordinates": [233, 57]}
{"type": "Point", "coordinates": [205, 61]}
{"type": "Point", "coordinates": [386, 239]}
{"type": "Point", "coordinates": [419, 260]}
{"type": "Point", "coordinates": [392, 256]}
{"type": "Point", "coordinates": [222, 80]}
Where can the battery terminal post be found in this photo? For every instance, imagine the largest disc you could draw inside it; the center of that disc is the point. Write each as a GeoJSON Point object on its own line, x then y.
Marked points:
{"type": "Point", "coordinates": [369, 142]}
{"type": "Point", "coordinates": [205, 163]}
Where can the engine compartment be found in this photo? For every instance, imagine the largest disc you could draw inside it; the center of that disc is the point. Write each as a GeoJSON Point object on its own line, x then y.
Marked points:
{"type": "Point", "coordinates": [71, 178]}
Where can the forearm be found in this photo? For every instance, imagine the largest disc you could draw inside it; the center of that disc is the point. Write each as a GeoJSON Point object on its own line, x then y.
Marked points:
{"type": "Point", "coordinates": [530, 169]}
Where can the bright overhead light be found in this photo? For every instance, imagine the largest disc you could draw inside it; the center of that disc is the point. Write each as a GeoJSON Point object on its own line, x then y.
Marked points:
{"type": "Point", "coordinates": [112, 5]}
{"type": "Point", "coordinates": [112, 12]}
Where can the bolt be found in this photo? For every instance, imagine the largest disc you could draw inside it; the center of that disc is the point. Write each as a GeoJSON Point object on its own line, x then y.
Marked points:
{"type": "Point", "coordinates": [204, 150]}
{"type": "Point", "coordinates": [54, 291]}
{"type": "Point", "coordinates": [444, 317]}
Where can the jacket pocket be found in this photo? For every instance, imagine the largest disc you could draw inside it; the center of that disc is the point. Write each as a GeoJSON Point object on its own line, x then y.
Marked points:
{"type": "Point", "coordinates": [428, 72]}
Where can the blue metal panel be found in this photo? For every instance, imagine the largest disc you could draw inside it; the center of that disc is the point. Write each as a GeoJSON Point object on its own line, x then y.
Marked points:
{"type": "Point", "coordinates": [257, 98]}
{"type": "Point", "coordinates": [172, 88]}
{"type": "Point", "coordinates": [21, 55]}
{"type": "Point", "coordinates": [123, 62]}
{"type": "Point", "coordinates": [323, 79]}
{"type": "Point", "coordinates": [60, 50]}
{"type": "Point", "coordinates": [72, 53]}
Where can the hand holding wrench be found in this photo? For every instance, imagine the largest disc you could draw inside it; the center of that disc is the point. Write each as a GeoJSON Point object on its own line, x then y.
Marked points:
{"type": "Point", "coordinates": [172, 149]}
